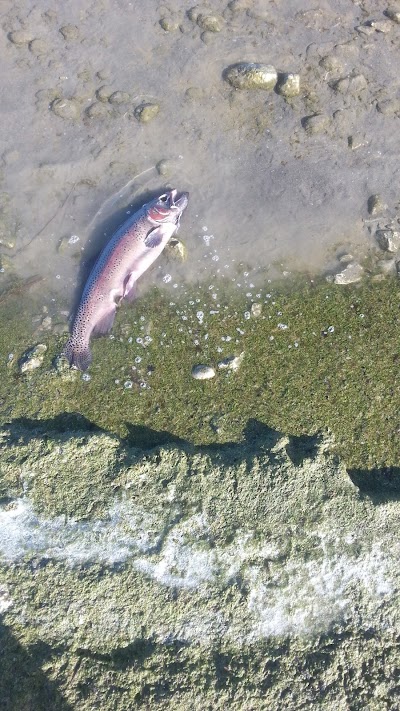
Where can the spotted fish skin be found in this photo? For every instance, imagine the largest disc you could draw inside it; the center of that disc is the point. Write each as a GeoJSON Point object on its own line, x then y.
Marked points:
{"type": "Point", "coordinates": [129, 253]}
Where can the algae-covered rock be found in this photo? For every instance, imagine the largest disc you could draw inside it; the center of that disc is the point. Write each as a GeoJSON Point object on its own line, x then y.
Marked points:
{"type": "Point", "coordinates": [171, 566]}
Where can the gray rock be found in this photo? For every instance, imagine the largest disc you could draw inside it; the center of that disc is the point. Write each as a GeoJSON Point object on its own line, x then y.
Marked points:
{"type": "Point", "coordinates": [146, 112]}
{"type": "Point", "coordinates": [203, 372]}
{"type": "Point", "coordinates": [388, 240]}
{"type": "Point", "coordinates": [351, 274]}
{"type": "Point", "coordinates": [251, 75]}
{"type": "Point", "coordinates": [352, 85]}
{"type": "Point", "coordinates": [97, 110]}
{"type": "Point", "coordinates": [231, 362]}
{"type": "Point", "coordinates": [70, 32]}
{"type": "Point", "coordinates": [119, 97]}
{"type": "Point", "coordinates": [375, 205]}
{"type": "Point", "coordinates": [66, 108]}
{"type": "Point", "coordinates": [383, 26]}
{"type": "Point", "coordinates": [21, 37]}
{"type": "Point", "coordinates": [164, 167]}
{"type": "Point", "coordinates": [169, 24]}
{"type": "Point", "coordinates": [104, 93]}
{"type": "Point", "coordinates": [39, 47]}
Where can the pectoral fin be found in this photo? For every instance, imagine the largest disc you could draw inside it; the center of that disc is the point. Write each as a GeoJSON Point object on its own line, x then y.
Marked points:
{"type": "Point", "coordinates": [130, 288]}
{"type": "Point", "coordinates": [154, 238]}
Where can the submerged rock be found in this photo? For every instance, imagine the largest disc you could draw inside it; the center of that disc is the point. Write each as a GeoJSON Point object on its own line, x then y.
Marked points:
{"type": "Point", "coordinates": [251, 75]}
{"type": "Point", "coordinates": [388, 239]}
{"type": "Point", "coordinates": [288, 85]}
{"type": "Point", "coordinates": [146, 112]}
{"type": "Point", "coordinates": [65, 108]}
{"type": "Point", "coordinates": [375, 205]}
{"type": "Point", "coordinates": [351, 274]}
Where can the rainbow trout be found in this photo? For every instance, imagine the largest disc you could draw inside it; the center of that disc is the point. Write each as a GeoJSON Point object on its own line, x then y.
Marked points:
{"type": "Point", "coordinates": [132, 249]}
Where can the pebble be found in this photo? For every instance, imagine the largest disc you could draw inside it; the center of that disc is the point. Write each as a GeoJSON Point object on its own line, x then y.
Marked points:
{"type": "Point", "coordinates": [169, 24]}
{"type": "Point", "coordinates": [288, 85]}
{"type": "Point", "coordinates": [315, 124]}
{"type": "Point", "coordinates": [21, 37]}
{"type": "Point", "coordinates": [351, 274]}
{"type": "Point", "coordinates": [104, 93]}
{"type": "Point", "coordinates": [177, 248]}
{"type": "Point", "coordinates": [331, 63]}
{"type": "Point", "coordinates": [164, 167]}
{"type": "Point", "coordinates": [383, 26]}
{"type": "Point", "coordinates": [38, 47]}
{"type": "Point", "coordinates": [119, 97]}
{"type": "Point", "coordinates": [351, 85]}
{"type": "Point", "coordinates": [210, 23]}
{"type": "Point", "coordinates": [256, 310]}
{"type": "Point", "coordinates": [70, 32]}
{"type": "Point", "coordinates": [203, 372]}
{"type": "Point", "coordinates": [65, 108]}
{"type": "Point", "coordinates": [375, 205]}
{"type": "Point", "coordinates": [250, 75]}
{"type": "Point", "coordinates": [388, 240]}
{"type": "Point", "coordinates": [232, 362]}
{"type": "Point", "coordinates": [146, 112]}
{"type": "Point", "coordinates": [33, 358]}
{"type": "Point", "coordinates": [393, 14]}
{"type": "Point", "coordinates": [97, 110]}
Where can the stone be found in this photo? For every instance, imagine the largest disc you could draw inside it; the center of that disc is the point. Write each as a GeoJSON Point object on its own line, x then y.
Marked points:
{"type": "Point", "coordinates": [231, 362]}
{"type": "Point", "coordinates": [393, 14]}
{"type": "Point", "coordinates": [317, 123]}
{"type": "Point", "coordinates": [288, 85]}
{"type": "Point", "coordinates": [97, 110]}
{"type": "Point", "coordinates": [210, 23]}
{"type": "Point", "coordinates": [383, 26]}
{"type": "Point", "coordinates": [169, 24]}
{"type": "Point", "coordinates": [146, 112]}
{"type": "Point", "coordinates": [119, 97]}
{"type": "Point", "coordinates": [104, 93]}
{"type": "Point", "coordinates": [388, 240]}
{"type": "Point", "coordinates": [351, 274]}
{"type": "Point", "coordinates": [39, 47]}
{"type": "Point", "coordinates": [251, 75]}
{"type": "Point", "coordinates": [70, 32]}
{"type": "Point", "coordinates": [375, 205]}
{"type": "Point", "coordinates": [203, 372]}
{"type": "Point", "coordinates": [256, 310]}
{"type": "Point", "coordinates": [21, 37]}
{"type": "Point", "coordinates": [66, 108]}
{"type": "Point", "coordinates": [33, 358]}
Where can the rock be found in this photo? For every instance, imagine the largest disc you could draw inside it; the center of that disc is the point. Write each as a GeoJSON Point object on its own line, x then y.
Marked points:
{"type": "Point", "coordinates": [21, 37]}
{"type": "Point", "coordinates": [104, 93]}
{"type": "Point", "coordinates": [38, 47]}
{"type": "Point", "coordinates": [203, 372]}
{"type": "Point", "coordinates": [33, 358]}
{"type": "Point", "coordinates": [70, 32]}
{"type": "Point", "coordinates": [256, 310]}
{"type": "Point", "coordinates": [97, 110]}
{"type": "Point", "coordinates": [210, 23]}
{"type": "Point", "coordinates": [383, 26]}
{"type": "Point", "coordinates": [119, 97]}
{"type": "Point", "coordinates": [231, 363]}
{"type": "Point", "coordinates": [164, 167]}
{"type": "Point", "coordinates": [365, 29]}
{"type": "Point", "coordinates": [388, 240]}
{"type": "Point", "coordinates": [331, 63]}
{"type": "Point", "coordinates": [375, 205]}
{"type": "Point", "coordinates": [251, 75]}
{"type": "Point", "coordinates": [389, 107]}
{"type": "Point", "coordinates": [351, 274]}
{"type": "Point", "coordinates": [103, 74]}
{"type": "Point", "coordinates": [317, 123]}
{"type": "Point", "coordinates": [356, 141]}
{"type": "Point", "coordinates": [66, 108]}
{"type": "Point", "coordinates": [176, 248]}
{"type": "Point", "coordinates": [288, 85]}
{"type": "Point", "coordinates": [169, 24]}
{"type": "Point", "coordinates": [146, 112]}
{"type": "Point", "coordinates": [393, 14]}
{"type": "Point", "coordinates": [352, 85]}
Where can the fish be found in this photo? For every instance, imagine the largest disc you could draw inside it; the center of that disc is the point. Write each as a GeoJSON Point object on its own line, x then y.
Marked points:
{"type": "Point", "coordinates": [129, 253]}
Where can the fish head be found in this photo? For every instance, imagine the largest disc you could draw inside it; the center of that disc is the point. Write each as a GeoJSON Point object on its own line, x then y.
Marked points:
{"type": "Point", "coordinates": [167, 208]}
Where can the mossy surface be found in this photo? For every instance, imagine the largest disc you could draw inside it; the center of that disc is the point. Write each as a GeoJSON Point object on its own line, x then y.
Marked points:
{"type": "Point", "coordinates": [320, 355]}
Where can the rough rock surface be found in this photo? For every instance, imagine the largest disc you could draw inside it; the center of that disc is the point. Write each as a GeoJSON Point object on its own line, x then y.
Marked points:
{"type": "Point", "coordinates": [199, 577]}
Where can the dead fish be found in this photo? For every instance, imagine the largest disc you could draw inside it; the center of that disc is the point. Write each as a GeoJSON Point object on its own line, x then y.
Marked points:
{"type": "Point", "coordinates": [132, 249]}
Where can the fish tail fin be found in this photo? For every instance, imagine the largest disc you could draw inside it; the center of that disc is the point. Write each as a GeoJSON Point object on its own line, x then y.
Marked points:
{"type": "Point", "coordinates": [77, 353]}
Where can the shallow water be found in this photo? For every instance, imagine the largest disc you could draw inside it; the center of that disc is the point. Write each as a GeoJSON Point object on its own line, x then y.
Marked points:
{"type": "Point", "coordinates": [265, 195]}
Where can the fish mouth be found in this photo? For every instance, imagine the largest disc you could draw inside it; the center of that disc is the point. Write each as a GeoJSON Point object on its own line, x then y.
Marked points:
{"type": "Point", "coordinates": [179, 200]}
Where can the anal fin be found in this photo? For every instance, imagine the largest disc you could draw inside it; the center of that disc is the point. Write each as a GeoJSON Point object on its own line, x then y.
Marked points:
{"type": "Point", "coordinates": [105, 322]}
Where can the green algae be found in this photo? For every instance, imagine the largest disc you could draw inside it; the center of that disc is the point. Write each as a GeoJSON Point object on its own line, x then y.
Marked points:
{"type": "Point", "coordinates": [335, 366]}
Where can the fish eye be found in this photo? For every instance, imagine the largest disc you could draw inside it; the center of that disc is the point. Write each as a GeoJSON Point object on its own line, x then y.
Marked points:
{"type": "Point", "coordinates": [164, 198]}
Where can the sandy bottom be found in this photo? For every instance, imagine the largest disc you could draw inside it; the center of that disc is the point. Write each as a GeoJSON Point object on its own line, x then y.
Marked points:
{"type": "Point", "coordinates": [268, 193]}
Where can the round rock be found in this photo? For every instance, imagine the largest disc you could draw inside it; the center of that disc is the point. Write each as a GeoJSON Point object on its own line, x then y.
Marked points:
{"type": "Point", "coordinates": [33, 358]}
{"type": "Point", "coordinates": [203, 372]}
{"type": "Point", "coordinates": [104, 93]}
{"type": "Point", "coordinates": [146, 112]}
{"type": "Point", "coordinates": [210, 23]}
{"type": "Point", "coordinates": [97, 110]}
{"type": "Point", "coordinates": [288, 85]}
{"type": "Point", "coordinates": [38, 47]}
{"type": "Point", "coordinates": [70, 32]}
{"type": "Point", "coordinates": [21, 37]}
{"type": "Point", "coordinates": [65, 108]}
{"type": "Point", "coordinates": [251, 75]}
{"type": "Point", "coordinates": [119, 97]}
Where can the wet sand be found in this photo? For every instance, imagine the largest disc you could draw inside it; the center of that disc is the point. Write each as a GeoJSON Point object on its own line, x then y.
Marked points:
{"type": "Point", "coordinates": [271, 191]}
